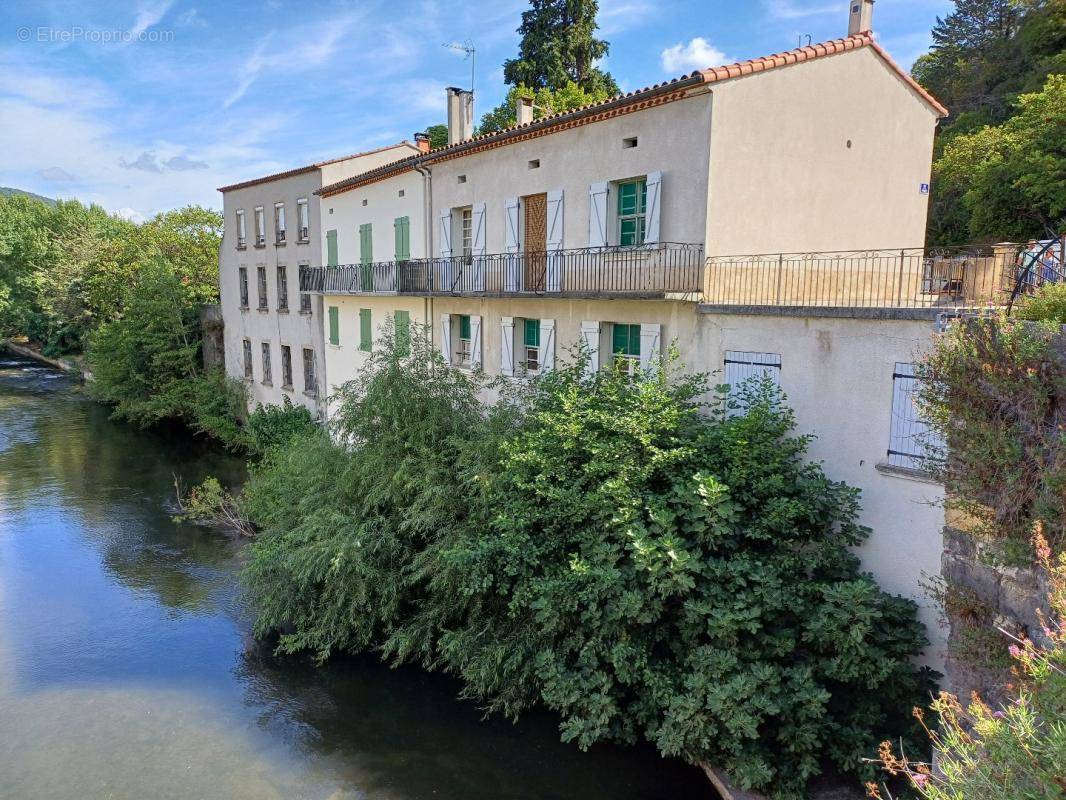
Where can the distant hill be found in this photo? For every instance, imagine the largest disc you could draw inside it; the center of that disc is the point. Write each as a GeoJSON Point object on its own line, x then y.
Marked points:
{"type": "Point", "coordinates": [7, 191]}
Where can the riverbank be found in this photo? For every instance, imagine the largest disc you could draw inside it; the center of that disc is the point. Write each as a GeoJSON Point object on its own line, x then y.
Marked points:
{"type": "Point", "coordinates": [72, 365]}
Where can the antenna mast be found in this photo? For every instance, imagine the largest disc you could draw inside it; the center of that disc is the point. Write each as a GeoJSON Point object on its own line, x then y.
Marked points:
{"type": "Point", "coordinates": [465, 47]}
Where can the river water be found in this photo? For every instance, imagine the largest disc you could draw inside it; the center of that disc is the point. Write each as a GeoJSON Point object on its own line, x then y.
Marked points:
{"type": "Point", "coordinates": [127, 669]}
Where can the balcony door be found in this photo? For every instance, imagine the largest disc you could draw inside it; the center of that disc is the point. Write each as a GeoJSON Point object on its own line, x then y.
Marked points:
{"type": "Point", "coordinates": [535, 241]}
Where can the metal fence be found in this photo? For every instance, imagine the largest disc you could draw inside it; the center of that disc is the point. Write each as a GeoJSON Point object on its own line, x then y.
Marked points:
{"type": "Point", "coordinates": [645, 271]}
{"type": "Point", "coordinates": [907, 278]}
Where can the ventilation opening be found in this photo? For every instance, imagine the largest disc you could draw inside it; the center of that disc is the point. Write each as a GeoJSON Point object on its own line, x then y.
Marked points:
{"type": "Point", "coordinates": [630, 142]}
{"type": "Point", "coordinates": [364, 201]}
{"type": "Point", "coordinates": [462, 179]}
{"type": "Point", "coordinates": [534, 163]}
{"type": "Point", "coordinates": [400, 193]}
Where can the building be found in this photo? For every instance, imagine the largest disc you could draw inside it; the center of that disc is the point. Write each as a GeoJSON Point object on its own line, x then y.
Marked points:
{"type": "Point", "coordinates": [599, 226]}
{"type": "Point", "coordinates": [273, 226]}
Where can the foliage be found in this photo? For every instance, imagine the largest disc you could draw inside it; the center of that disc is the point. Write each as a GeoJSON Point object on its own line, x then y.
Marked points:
{"type": "Point", "coordinates": [1011, 178]}
{"type": "Point", "coordinates": [985, 54]}
{"type": "Point", "coordinates": [558, 47]}
{"type": "Point", "coordinates": [438, 135]}
{"type": "Point", "coordinates": [1048, 304]}
{"type": "Point", "coordinates": [209, 502]}
{"type": "Point", "coordinates": [597, 545]}
{"type": "Point", "coordinates": [1016, 752]}
{"type": "Point", "coordinates": [146, 361]}
{"type": "Point", "coordinates": [546, 102]}
{"type": "Point", "coordinates": [995, 389]}
{"type": "Point", "coordinates": [271, 427]}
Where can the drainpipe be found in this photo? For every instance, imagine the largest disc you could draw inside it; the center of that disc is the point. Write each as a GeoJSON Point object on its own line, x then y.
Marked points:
{"type": "Point", "coordinates": [427, 209]}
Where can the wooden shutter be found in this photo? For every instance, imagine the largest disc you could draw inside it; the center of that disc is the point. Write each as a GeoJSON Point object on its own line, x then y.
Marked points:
{"type": "Point", "coordinates": [446, 337]}
{"type": "Point", "coordinates": [598, 215]}
{"type": "Point", "coordinates": [649, 344]}
{"type": "Point", "coordinates": [475, 341]}
{"type": "Point", "coordinates": [365, 330]}
{"type": "Point", "coordinates": [403, 332]}
{"type": "Point", "coordinates": [651, 212]}
{"type": "Point", "coordinates": [507, 346]}
{"type": "Point", "coordinates": [331, 248]}
{"type": "Point", "coordinates": [590, 338]}
{"type": "Point", "coordinates": [547, 344]}
{"type": "Point", "coordinates": [402, 231]}
{"type": "Point", "coordinates": [512, 245]}
{"type": "Point", "coordinates": [444, 229]}
{"type": "Point", "coordinates": [366, 243]}
{"type": "Point", "coordinates": [334, 325]}
{"type": "Point", "coordinates": [742, 365]}
{"type": "Point", "coordinates": [554, 241]}
{"type": "Point", "coordinates": [477, 224]}
{"type": "Point", "coordinates": [911, 441]}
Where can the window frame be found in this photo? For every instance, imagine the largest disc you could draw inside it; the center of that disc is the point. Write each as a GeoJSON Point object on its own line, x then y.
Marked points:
{"type": "Point", "coordinates": [529, 324]}
{"type": "Point", "coordinates": [638, 215]}
{"type": "Point", "coordinates": [260, 226]}
{"type": "Point", "coordinates": [242, 287]}
{"type": "Point", "coordinates": [268, 372]}
{"type": "Point", "coordinates": [303, 220]}
{"type": "Point", "coordinates": [310, 375]}
{"type": "Point", "coordinates": [246, 352]}
{"type": "Point", "coordinates": [279, 223]}
{"type": "Point", "coordinates": [261, 286]}
{"type": "Point", "coordinates": [626, 359]}
{"type": "Point", "coordinates": [283, 287]}
{"type": "Point", "coordinates": [242, 231]}
{"type": "Point", "coordinates": [464, 352]}
{"type": "Point", "coordinates": [286, 367]}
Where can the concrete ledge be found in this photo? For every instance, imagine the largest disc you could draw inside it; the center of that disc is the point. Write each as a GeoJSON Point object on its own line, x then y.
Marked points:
{"type": "Point", "coordinates": [852, 312]}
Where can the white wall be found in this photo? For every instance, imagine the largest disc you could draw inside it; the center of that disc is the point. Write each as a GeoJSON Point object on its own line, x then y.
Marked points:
{"type": "Point", "coordinates": [345, 212]}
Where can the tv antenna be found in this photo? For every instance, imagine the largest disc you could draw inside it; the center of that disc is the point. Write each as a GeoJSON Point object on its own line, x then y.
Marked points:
{"type": "Point", "coordinates": [465, 47]}
{"type": "Point", "coordinates": [806, 36]}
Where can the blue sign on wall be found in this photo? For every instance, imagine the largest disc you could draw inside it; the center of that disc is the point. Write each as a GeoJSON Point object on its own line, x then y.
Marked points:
{"type": "Point", "coordinates": [923, 188]}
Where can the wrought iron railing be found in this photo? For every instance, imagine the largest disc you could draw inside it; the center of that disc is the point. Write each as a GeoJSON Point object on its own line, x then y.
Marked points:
{"type": "Point", "coordinates": [645, 271]}
{"type": "Point", "coordinates": [908, 278]}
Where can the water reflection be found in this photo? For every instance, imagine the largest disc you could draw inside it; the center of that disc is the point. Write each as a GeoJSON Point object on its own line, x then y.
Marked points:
{"type": "Point", "coordinates": [127, 669]}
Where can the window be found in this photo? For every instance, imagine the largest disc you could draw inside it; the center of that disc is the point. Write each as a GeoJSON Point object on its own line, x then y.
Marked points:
{"type": "Point", "coordinates": [402, 321]}
{"type": "Point", "coordinates": [310, 387]}
{"type": "Point", "coordinates": [912, 443]}
{"type": "Point", "coordinates": [241, 240]}
{"type": "Point", "coordinates": [464, 351]}
{"type": "Point", "coordinates": [303, 219]}
{"type": "Point", "coordinates": [531, 345]}
{"type": "Point", "coordinates": [365, 330]}
{"type": "Point", "coordinates": [334, 326]}
{"type": "Point", "coordinates": [244, 286]}
{"type": "Point", "coordinates": [283, 289]}
{"type": "Point", "coordinates": [247, 347]}
{"type": "Point", "coordinates": [625, 347]}
{"type": "Point", "coordinates": [331, 248]}
{"type": "Point", "coordinates": [286, 367]}
{"type": "Point", "coordinates": [260, 227]}
{"type": "Point", "coordinates": [402, 229]}
{"type": "Point", "coordinates": [279, 223]}
{"type": "Point", "coordinates": [742, 366]}
{"type": "Point", "coordinates": [266, 364]}
{"type": "Point", "coordinates": [467, 230]}
{"type": "Point", "coordinates": [366, 243]}
{"type": "Point", "coordinates": [305, 302]}
{"type": "Point", "coordinates": [262, 274]}
{"type": "Point", "coordinates": [632, 203]}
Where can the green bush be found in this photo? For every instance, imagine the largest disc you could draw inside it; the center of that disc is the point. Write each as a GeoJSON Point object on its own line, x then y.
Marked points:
{"type": "Point", "coordinates": [1048, 304]}
{"type": "Point", "coordinates": [271, 427]}
{"type": "Point", "coordinates": [644, 566]}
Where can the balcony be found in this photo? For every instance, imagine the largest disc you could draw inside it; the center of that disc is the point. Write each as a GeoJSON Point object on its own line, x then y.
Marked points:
{"type": "Point", "coordinates": [649, 271]}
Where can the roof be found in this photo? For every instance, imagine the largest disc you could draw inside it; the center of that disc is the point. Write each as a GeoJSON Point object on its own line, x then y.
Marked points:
{"type": "Point", "coordinates": [637, 100]}
{"type": "Point", "coordinates": [309, 167]}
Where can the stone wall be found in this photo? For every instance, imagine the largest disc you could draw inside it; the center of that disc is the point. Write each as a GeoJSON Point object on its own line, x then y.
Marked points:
{"type": "Point", "coordinates": [212, 327]}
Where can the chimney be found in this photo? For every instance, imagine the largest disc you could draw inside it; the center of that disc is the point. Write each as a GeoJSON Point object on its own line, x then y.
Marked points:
{"type": "Point", "coordinates": [524, 110]}
{"type": "Point", "coordinates": [861, 19]}
{"type": "Point", "coordinates": [460, 114]}
{"type": "Point", "coordinates": [422, 141]}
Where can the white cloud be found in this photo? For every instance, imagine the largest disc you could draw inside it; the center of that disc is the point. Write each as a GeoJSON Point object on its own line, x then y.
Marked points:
{"type": "Point", "coordinates": [55, 174]}
{"type": "Point", "coordinates": [697, 54]}
{"type": "Point", "coordinates": [148, 14]}
{"type": "Point", "coordinates": [619, 15]}
{"type": "Point", "coordinates": [132, 214]}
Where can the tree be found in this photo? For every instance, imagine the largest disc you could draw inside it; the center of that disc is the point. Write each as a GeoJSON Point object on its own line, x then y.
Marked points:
{"type": "Point", "coordinates": [438, 135]}
{"type": "Point", "coordinates": [546, 102]}
{"type": "Point", "coordinates": [1011, 178]}
{"type": "Point", "coordinates": [558, 46]}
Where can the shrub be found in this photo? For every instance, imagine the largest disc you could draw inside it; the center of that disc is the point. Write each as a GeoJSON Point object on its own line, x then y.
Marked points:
{"type": "Point", "coordinates": [1016, 752]}
{"type": "Point", "coordinates": [643, 565]}
{"type": "Point", "coordinates": [1048, 304]}
{"type": "Point", "coordinates": [271, 427]}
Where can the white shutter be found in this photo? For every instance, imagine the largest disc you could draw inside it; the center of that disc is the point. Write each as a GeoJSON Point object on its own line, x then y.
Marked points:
{"type": "Point", "coordinates": [512, 244]}
{"type": "Point", "coordinates": [477, 223]}
{"type": "Point", "coordinates": [445, 273]}
{"type": "Point", "coordinates": [507, 346]}
{"type": "Point", "coordinates": [446, 337]}
{"type": "Point", "coordinates": [742, 365]}
{"type": "Point", "coordinates": [547, 344]}
{"type": "Point", "coordinates": [590, 338]}
{"type": "Point", "coordinates": [475, 341]}
{"type": "Point", "coordinates": [651, 210]}
{"type": "Point", "coordinates": [598, 215]}
{"type": "Point", "coordinates": [911, 441]}
{"type": "Point", "coordinates": [649, 344]}
{"type": "Point", "coordinates": [554, 278]}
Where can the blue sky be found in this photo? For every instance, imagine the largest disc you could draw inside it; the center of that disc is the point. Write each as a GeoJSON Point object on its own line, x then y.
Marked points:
{"type": "Point", "coordinates": [145, 106]}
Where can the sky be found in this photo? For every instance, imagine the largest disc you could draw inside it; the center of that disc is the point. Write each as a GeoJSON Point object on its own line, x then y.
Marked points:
{"type": "Point", "coordinates": [150, 105]}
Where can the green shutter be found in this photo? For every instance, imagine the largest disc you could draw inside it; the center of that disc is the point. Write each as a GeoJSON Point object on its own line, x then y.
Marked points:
{"type": "Point", "coordinates": [464, 327]}
{"type": "Point", "coordinates": [531, 337]}
{"type": "Point", "coordinates": [366, 244]}
{"type": "Point", "coordinates": [634, 340]}
{"type": "Point", "coordinates": [403, 333]}
{"type": "Point", "coordinates": [331, 248]}
{"type": "Point", "coordinates": [334, 326]}
{"type": "Point", "coordinates": [402, 227]}
{"type": "Point", "coordinates": [365, 339]}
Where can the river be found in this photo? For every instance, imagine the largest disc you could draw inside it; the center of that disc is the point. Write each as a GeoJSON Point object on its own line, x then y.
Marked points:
{"type": "Point", "coordinates": [127, 667]}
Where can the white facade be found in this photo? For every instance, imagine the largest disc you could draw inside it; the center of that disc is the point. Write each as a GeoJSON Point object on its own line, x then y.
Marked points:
{"type": "Point", "coordinates": [272, 333]}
